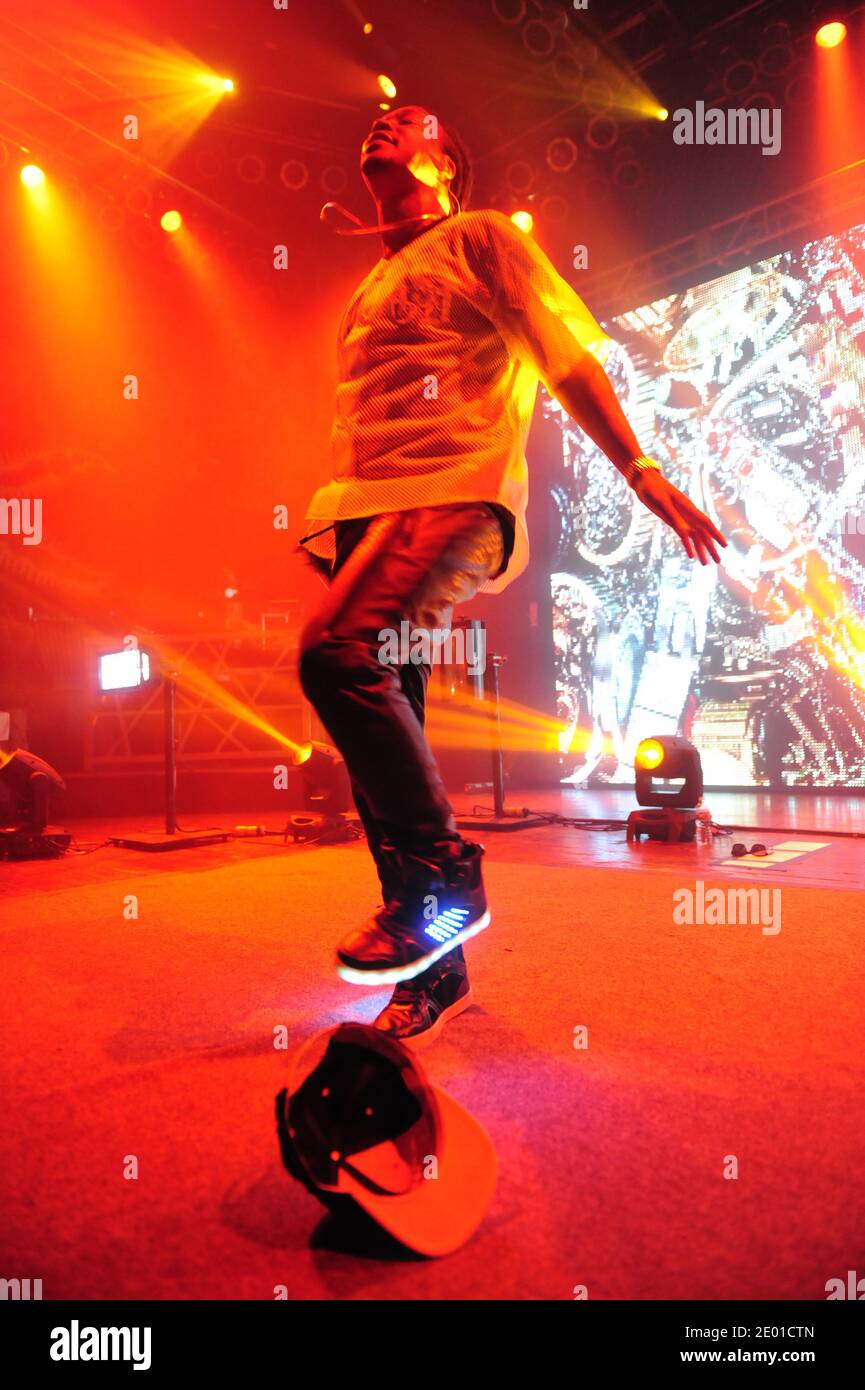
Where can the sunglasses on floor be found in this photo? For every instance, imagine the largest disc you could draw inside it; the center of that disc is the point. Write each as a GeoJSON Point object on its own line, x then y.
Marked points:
{"type": "Point", "coordinates": [738, 851]}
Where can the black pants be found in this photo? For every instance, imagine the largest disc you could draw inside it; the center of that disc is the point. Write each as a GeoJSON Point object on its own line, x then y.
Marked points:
{"type": "Point", "coordinates": [404, 566]}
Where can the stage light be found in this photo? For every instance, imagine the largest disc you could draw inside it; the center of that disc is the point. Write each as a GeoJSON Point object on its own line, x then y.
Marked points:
{"type": "Point", "coordinates": [649, 754]}
{"type": "Point", "coordinates": [384, 106]}
{"type": "Point", "coordinates": [212, 82]}
{"type": "Point", "coordinates": [670, 759]}
{"type": "Point", "coordinates": [367, 28]}
{"type": "Point", "coordinates": [32, 176]}
{"type": "Point", "coordinates": [26, 782]}
{"type": "Point", "coordinates": [333, 179]}
{"type": "Point", "coordinates": [523, 220]}
{"type": "Point", "coordinates": [171, 221]}
{"type": "Point", "coordinates": [123, 670]}
{"type": "Point", "coordinates": [628, 173]}
{"type": "Point", "coordinates": [830, 35]}
{"type": "Point", "coordinates": [386, 85]}
{"type": "Point", "coordinates": [326, 787]}
{"type": "Point", "coordinates": [294, 174]}
{"type": "Point", "coordinates": [662, 113]}
{"type": "Point", "coordinates": [674, 813]}
{"type": "Point", "coordinates": [326, 796]}
{"type": "Point", "coordinates": [561, 154]}
{"type": "Point", "coordinates": [520, 175]}
{"type": "Point", "coordinates": [602, 132]}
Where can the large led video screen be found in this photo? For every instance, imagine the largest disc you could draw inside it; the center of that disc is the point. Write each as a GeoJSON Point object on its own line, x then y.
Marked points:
{"type": "Point", "coordinates": [749, 392]}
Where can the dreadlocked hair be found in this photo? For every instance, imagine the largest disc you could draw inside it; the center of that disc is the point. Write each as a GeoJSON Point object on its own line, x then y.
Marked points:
{"type": "Point", "coordinates": [461, 183]}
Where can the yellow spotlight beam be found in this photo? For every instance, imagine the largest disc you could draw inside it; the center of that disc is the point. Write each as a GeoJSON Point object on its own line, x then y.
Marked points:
{"type": "Point", "coordinates": [464, 722]}
{"type": "Point", "coordinates": [511, 711]}
{"type": "Point", "coordinates": [452, 733]}
{"type": "Point", "coordinates": [191, 677]}
{"type": "Point", "coordinates": [631, 99]}
{"type": "Point", "coordinates": [120, 147]}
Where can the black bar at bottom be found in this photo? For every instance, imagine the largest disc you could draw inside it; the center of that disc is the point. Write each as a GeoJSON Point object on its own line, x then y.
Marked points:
{"type": "Point", "coordinates": [252, 1337]}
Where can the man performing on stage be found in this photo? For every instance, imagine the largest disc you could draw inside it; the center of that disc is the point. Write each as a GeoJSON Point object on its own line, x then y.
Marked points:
{"type": "Point", "coordinates": [440, 352]}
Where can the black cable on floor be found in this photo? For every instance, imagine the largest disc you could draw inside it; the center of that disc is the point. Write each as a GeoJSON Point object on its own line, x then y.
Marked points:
{"type": "Point", "coordinates": [601, 823]}
{"type": "Point", "coordinates": [792, 830]}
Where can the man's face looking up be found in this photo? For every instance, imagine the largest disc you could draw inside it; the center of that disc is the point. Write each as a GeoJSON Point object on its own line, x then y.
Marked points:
{"type": "Point", "coordinates": [403, 146]}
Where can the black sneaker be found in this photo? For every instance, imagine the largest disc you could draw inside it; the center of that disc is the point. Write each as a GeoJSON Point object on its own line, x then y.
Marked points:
{"type": "Point", "coordinates": [420, 1008]}
{"type": "Point", "coordinates": [441, 904]}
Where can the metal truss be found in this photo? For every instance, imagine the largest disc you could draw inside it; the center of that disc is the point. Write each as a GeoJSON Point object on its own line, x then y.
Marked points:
{"type": "Point", "coordinates": [830, 203]}
{"type": "Point", "coordinates": [259, 677]}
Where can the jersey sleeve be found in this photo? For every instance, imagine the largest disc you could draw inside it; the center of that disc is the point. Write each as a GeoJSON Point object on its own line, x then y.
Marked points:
{"type": "Point", "coordinates": [538, 314]}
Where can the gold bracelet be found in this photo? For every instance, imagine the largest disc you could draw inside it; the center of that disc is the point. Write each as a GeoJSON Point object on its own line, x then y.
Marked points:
{"type": "Point", "coordinates": [640, 466]}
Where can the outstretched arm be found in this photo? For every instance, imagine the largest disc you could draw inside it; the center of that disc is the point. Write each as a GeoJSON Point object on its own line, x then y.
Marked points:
{"type": "Point", "coordinates": [543, 318]}
{"type": "Point", "coordinates": [588, 396]}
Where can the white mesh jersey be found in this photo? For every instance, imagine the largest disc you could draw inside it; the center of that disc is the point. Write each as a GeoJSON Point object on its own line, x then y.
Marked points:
{"type": "Point", "coordinates": [440, 351]}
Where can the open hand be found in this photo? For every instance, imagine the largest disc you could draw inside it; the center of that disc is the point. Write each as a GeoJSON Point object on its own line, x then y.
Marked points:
{"type": "Point", "coordinates": [697, 533]}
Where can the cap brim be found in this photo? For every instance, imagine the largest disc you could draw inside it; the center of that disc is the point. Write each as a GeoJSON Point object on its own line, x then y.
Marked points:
{"type": "Point", "coordinates": [442, 1212]}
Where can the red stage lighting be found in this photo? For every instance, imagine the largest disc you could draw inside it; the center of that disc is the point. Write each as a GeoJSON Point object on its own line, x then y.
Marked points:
{"type": "Point", "coordinates": [830, 35]}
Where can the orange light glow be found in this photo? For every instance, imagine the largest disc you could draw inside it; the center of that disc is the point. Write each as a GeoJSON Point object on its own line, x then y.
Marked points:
{"type": "Point", "coordinates": [171, 221]}
{"type": "Point", "coordinates": [387, 85]}
{"type": "Point", "coordinates": [649, 754]}
{"type": "Point", "coordinates": [836, 125]}
{"type": "Point", "coordinates": [830, 35]}
{"type": "Point", "coordinates": [523, 220]}
{"type": "Point", "coordinates": [166, 88]}
{"type": "Point", "coordinates": [212, 82]}
{"type": "Point", "coordinates": [32, 176]}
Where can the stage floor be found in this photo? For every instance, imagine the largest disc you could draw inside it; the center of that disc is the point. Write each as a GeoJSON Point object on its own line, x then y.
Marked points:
{"type": "Point", "coordinates": [153, 1037]}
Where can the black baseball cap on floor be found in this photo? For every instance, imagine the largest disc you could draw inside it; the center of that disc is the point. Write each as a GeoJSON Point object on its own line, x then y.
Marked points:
{"type": "Point", "coordinates": [365, 1122]}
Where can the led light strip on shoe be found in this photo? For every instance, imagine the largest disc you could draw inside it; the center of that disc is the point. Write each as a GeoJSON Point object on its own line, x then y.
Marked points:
{"type": "Point", "coordinates": [395, 975]}
{"type": "Point", "coordinates": [447, 924]}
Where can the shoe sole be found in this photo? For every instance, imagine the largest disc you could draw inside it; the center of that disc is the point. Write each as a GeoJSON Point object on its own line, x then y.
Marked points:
{"type": "Point", "coordinates": [418, 1040]}
{"type": "Point", "coordinates": [397, 974]}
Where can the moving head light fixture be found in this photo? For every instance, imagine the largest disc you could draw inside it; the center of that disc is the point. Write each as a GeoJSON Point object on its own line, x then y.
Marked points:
{"type": "Point", "coordinates": [669, 785]}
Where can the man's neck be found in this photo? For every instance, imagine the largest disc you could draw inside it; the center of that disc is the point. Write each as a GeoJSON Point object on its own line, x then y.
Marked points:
{"type": "Point", "coordinates": [414, 203]}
